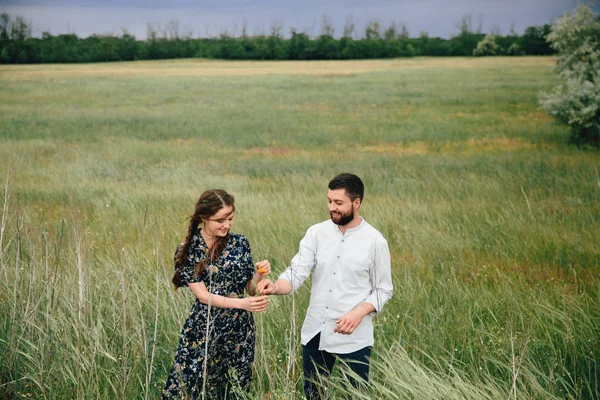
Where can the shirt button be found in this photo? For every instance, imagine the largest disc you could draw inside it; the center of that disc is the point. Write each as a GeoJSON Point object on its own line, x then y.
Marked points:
{"type": "Point", "coordinates": [329, 290]}
{"type": "Point", "coordinates": [327, 307]}
{"type": "Point", "coordinates": [334, 273]}
{"type": "Point", "coordinates": [338, 256]}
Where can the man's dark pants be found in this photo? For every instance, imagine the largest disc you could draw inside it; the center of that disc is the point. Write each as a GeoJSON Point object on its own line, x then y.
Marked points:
{"type": "Point", "coordinates": [317, 363]}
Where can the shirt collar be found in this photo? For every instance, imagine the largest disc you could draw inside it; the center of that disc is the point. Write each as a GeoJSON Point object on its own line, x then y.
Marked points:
{"type": "Point", "coordinates": [350, 230]}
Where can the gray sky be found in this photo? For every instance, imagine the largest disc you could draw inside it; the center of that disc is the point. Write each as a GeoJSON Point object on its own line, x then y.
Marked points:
{"type": "Point", "coordinates": [210, 18]}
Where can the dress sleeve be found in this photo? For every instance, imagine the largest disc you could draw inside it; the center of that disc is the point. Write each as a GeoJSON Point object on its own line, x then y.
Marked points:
{"type": "Point", "coordinates": [187, 272]}
{"type": "Point", "coordinates": [246, 258]}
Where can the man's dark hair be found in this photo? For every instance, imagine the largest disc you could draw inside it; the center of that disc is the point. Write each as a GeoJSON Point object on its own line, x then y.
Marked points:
{"type": "Point", "coordinates": [349, 182]}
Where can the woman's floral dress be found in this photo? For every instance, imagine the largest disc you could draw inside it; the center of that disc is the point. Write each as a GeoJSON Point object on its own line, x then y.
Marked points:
{"type": "Point", "coordinates": [230, 351]}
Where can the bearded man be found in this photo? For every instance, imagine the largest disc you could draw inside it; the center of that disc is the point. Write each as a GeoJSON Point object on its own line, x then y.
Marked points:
{"type": "Point", "coordinates": [351, 281]}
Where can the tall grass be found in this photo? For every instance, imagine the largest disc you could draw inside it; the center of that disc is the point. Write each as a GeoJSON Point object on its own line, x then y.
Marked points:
{"type": "Point", "coordinates": [492, 221]}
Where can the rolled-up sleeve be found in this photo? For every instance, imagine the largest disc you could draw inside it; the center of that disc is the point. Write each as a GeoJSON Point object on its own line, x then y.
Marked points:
{"type": "Point", "coordinates": [302, 263]}
{"type": "Point", "coordinates": [381, 275]}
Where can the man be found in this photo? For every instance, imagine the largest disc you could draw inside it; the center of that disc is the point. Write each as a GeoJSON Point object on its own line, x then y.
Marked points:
{"type": "Point", "coordinates": [350, 264]}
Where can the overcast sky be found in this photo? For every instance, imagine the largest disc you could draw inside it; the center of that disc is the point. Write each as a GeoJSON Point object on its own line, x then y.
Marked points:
{"type": "Point", "coordinates": [210, 18]}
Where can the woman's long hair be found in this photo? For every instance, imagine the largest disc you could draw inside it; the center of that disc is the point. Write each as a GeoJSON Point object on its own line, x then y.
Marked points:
{"type": "Point", "coordinates": [209, 203]}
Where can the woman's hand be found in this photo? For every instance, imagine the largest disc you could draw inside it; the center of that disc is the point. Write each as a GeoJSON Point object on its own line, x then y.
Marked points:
{"type": "Point", "coordinates": [256, 304]}
{"type": "Point", "coordinates": [263, 267]}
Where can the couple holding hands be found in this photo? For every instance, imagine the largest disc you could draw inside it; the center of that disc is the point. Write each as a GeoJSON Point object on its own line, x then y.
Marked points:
{"type": "Point", "coordinates": [351, 281]}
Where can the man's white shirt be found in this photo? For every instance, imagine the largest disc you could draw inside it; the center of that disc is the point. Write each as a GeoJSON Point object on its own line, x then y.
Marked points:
{"type": "Point", "coordinates": [348, 269]}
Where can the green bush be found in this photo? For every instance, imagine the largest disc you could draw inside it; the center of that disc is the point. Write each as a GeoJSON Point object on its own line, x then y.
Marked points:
{"type": "Point", "coordinates": [486, 47]}
{"type": "Point", "coordinates": [576, 102]}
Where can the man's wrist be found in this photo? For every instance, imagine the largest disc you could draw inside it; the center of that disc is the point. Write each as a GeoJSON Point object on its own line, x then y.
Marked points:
{"type": "Point", "coordinates": [367, 308]}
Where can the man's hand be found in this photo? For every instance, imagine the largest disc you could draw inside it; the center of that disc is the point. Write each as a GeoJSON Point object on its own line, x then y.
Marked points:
{"type": "Point", "coordinates": [266, 287]}
{"type": "Point", "coordinates": [281, 287]}
{"type": "Point", "coordinates": [348, 323]}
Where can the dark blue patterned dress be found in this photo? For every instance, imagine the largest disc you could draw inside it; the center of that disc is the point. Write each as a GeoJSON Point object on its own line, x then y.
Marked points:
{"type": "Point", "coordinates": [230, 334]}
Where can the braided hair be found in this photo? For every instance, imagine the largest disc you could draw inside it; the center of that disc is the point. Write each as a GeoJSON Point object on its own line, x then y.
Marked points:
{"type": "Point", "coordinates": [209, 203]}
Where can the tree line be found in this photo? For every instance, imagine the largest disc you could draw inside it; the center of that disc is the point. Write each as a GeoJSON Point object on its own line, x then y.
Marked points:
{"type": "Point", "coordinates": [18, 46]}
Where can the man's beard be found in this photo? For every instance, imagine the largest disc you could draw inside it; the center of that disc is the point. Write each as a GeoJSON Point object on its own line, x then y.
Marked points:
{"type": "Point", "coordinates": [342, 219]}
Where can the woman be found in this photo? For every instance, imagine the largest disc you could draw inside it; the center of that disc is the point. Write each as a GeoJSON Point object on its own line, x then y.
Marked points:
{"type": "Point", "coordinates": [216, 349]}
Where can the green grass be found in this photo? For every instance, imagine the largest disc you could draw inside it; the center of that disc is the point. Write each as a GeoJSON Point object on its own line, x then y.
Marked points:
{"type": "Point", "coordinates": [492, 218]}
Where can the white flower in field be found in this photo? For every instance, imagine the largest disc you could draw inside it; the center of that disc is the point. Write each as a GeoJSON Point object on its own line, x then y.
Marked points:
{"type": "Point", "coordinates": [106, 205]}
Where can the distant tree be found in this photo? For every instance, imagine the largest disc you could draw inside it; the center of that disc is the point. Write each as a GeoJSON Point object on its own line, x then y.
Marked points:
{"type": "Point", "coordinates": [349, 27]}
{"type": "Point", "coordinates": [466, 41]}
{"type": "Point", "coordinates": [276, 46]}
{"type": "Point", "coordinates": [432, 46]}
{"type": "Point", "coordinates": [172, 30]}
{"type": "Point", "coordinates": [486, 47]}
{"type": "Point", "coordinates": [224, 47]}
{"type": "Point", "coordinates": [391, 32]}
{"type": "Point", "coordinates": [421, 43]}
{"type": "Point", "coordinates": [171, 41]}
{"type": "Point", "coordinates": [576, 102]}
{"type": "Point", "coordinates": [326, 26]}
{"type": "Point", "coordinates": [64, 49]}
{"type": "Point", "coordinates": [373, 45]}
{"type": "Point", "coordinates": [247, 44]}
{"type": "Point", "coordinates": [404, 34]}
{"type": "Point", "coordinates": [504, 43]}
{"type": "Point", "coordinates": [97, 48]}
{"type": "Point", "coordinates": [4, 27]}
{"type": "Point", "coordinates": [534, 40]}
{"type": "Point", "coordinates": [465, 24]}
{"type": "Point", "coordinates": [373, 30]}
{"type": "Point", "coordinates": [4, 38]}
{"type": "Point", "coordinates": [152, 48]}
{"type": "Point", "coordinates": [299, 46]}
{"type": "Point", "coordinates": [348, 48]}
{"type": "Point", "coordinates": [19, 30]}
{"type": "Point", "coordinates": [14, 47]}
{"type": "Point", "coordinates": [515, 50]}
{"type": "Point", "coordinates": [326, 47]}
{"type": "Point", "coordinates": [127, 47]}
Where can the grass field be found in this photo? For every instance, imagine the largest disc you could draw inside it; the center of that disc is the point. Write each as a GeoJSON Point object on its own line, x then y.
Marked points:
{"type": "Point", "coordinates": [492, 219]}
